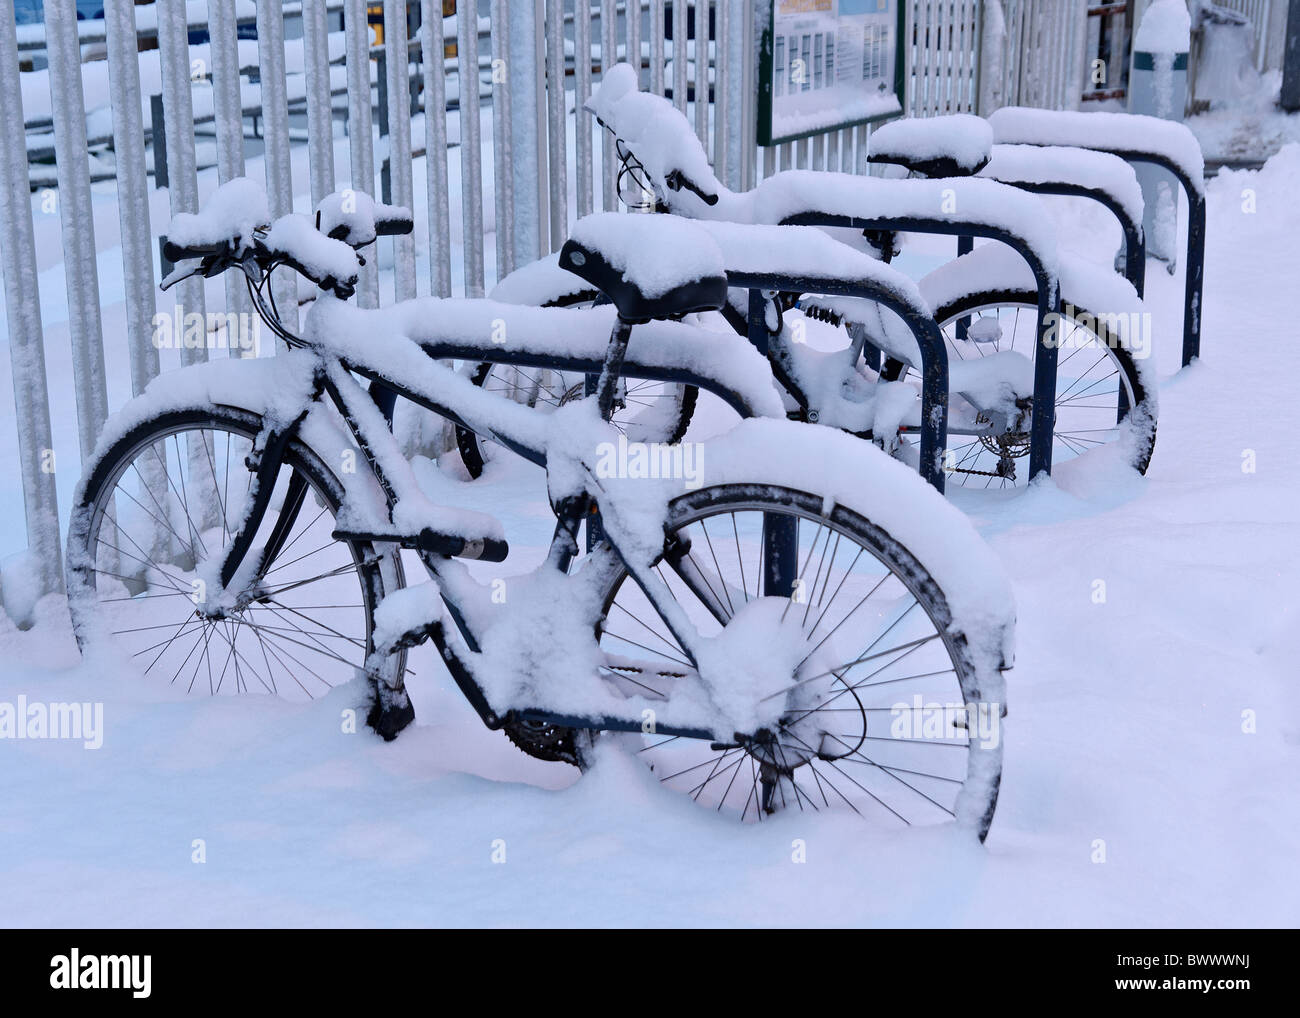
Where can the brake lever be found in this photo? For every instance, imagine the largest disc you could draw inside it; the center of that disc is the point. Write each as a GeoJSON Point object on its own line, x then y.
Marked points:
{"type": "Point", "coordinates": [677, 181]}
{"type": "Point", "coordinates": [179, 274]}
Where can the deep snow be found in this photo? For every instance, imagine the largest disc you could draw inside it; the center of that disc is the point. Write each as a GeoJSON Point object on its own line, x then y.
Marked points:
{"type": "Point", "coordinates": [1125, 724]}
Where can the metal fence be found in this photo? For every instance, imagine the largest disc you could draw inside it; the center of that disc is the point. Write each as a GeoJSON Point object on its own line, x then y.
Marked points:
{"type": "Point", "coordinates": [505, 90]}
{"type": "Point", "coordinates": [1039, 58]}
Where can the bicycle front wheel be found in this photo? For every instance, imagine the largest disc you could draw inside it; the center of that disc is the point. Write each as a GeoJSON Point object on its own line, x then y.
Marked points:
{"type": "Point", "coordinates": [165, 499]}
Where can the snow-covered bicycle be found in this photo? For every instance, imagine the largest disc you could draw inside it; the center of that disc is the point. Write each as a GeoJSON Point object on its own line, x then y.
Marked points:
{"type": "Point", "coordinates": [1043, 350]}
{"type": "Point", "coordinates": [795, 622]}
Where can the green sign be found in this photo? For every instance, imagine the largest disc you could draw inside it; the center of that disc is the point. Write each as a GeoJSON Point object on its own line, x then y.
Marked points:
{"type": "Point", "coordinates": [828, 64]}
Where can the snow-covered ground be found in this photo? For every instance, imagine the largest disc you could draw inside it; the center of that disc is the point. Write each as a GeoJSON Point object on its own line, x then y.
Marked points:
{"type": "Point", "coordinates": [1252, 128]}
{"type": "Point", "coordinates": [1152, 745]}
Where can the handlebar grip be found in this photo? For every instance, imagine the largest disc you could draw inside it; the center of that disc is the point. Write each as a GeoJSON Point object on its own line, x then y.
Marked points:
{"type": "Point", "coordinates": [397, 226]}
{"type": "Point", "coordinates": [178, 252]}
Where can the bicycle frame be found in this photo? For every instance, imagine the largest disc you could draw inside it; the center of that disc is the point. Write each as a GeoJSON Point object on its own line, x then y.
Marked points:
{"type": "Point", "coordinates": [449, 395]}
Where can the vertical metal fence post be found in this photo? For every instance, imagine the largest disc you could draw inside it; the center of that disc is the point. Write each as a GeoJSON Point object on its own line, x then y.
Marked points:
{"type": "Point", "coordinates": [501, 154]}
{"type": "Point", "coordinates": [361, 145]}
{"type": "Point", "coordinates": [992, 34]}
{"type": "Point", "coordinates": [541, 176]}
{"type": "Point", "coordinates": [23, 314]}
{"type": "Point", "coordinates": [182, 176]}
{"type": "Point", "coordinates": [435, 148]}
{"type": "Point", "coordinates": [133, 218]}
{"type": "Point", "coordinates": [132, 190]}
{"type": "Point", "coordinates": [721, 104]}
{"type": "Point", "coordinates": [77, 219]}
{"type": "Point", "coordinates": [279, 161]}
{"type": "Point", "coordinates": [608, 56]}
{"type": "Point", "coordinates": [632, 14]}
{"type": "Point", "coordinates": [398, 75]}
{"type": "Point", "coordinates": [320, 105]}
{"type": "Point", "coordinates": [223, 33]}
{"type": "Point", "coordinates": [471, 161]}
{"type": "Point", "coordinates": [731, 80]}
{"type": "Point", "coordinates": [556, 126]}
{"type": "Point", "coordinates": [525, 88]}
{"type": "Point", "coordinates": [749, 92]}
{"type": "Point", "coordinates": [583, 124]}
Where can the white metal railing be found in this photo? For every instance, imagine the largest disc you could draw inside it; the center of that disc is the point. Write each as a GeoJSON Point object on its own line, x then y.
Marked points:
{"type": "Point", "coordinates": [1039, 56]}
{"type": "Point", "coordinates": [941, 41]}
{"type": "Point", "coordinates": [538, 59]}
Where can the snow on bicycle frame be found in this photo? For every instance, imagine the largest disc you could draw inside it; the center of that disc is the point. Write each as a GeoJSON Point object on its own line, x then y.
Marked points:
{"type": "Point", "coordinates": [393, 346]}
{"type": "Point", "coordinates": [655, 133]}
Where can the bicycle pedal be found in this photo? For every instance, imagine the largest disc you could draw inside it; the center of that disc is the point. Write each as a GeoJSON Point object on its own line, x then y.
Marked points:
{"type": "Point", "coordinates": [483, 549]}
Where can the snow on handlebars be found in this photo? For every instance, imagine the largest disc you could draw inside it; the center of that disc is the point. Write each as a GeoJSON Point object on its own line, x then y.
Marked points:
{"type": "Point", "coordinates": [234, 223]}
{"type": "Point", "coordinates": [656, 134]}
{"type": "Point", "coordinates": [227, 222]}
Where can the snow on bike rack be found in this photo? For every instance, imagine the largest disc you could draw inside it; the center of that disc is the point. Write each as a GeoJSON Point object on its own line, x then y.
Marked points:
{"type": "Point", "coordinates": [661, 140]}
{"type": "Point", "coordinates": [1136, 139]}
{"type": "Point", "coordinates": [574, 338]}
{"type": "Point", "coordinates": [1085, 173]}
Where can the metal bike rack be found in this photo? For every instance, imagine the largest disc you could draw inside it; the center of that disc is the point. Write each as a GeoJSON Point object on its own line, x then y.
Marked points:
{"type": "Point", "coordinates": [632, 368]}
{"type": "Point", "coordinates": [1195, 263]}
{"type": "Point", "coordinates": [1135, 252]}
{"type": "Point", "coordinates": [934, 355]}
{"type": "Point", "coordinates": [1195, 258]}
{"type": "Point", "coordinates": [1043, 418]}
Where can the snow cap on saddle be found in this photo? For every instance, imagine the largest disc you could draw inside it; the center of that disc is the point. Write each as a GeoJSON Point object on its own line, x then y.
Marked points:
{"type": "Point", "coordinates": [649, 266]}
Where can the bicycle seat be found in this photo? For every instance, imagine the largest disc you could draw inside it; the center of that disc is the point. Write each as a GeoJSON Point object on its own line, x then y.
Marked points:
{"type": "Point", "coordinates": [956, 145]}
{"type": "Point", "coordinates": [650, 266]}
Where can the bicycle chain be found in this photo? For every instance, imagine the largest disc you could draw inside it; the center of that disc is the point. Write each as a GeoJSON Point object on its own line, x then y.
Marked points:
{"type": "Point", "coordinates": [970, 470]}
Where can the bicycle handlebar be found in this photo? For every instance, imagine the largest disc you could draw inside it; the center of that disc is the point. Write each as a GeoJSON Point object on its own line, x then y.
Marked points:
{"type": "Point", "coordinates": [215, 259]}
{"type": "Point", "coordinates": [396, 226]}
{"type": "Point", "coordinates": [176, 253]}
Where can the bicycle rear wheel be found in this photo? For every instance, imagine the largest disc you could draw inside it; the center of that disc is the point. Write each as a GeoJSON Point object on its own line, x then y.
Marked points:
{"type": "Point", "coordinates": [883, 716]}
{"type": "Point", "coordinates": [1100, 393]}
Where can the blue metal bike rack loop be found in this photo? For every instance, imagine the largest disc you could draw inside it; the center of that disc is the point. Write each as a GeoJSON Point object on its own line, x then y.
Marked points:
{"type": "Point", "coordinates": [1043, 418]}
